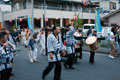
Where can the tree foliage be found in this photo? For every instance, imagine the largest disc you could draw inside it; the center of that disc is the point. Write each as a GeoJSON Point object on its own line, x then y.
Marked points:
{"type": "Point", "coordinates": [78, 23]}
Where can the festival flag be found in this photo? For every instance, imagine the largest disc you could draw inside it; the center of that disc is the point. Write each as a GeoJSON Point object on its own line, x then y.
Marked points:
{"type": "Point", "coordinates": [98, 22]}
{"type": "Point", "coordinates": [30, 23]}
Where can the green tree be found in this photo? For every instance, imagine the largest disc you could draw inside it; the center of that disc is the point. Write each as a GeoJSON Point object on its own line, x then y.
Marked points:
{"type": "Point", "coordinates": [13, 27]}
{"type": "Point", "coordinates": [78, 23]}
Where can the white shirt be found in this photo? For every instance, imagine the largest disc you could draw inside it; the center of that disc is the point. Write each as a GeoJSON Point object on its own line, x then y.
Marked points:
{"type": "Point", "coordinates": [53, 44]}
{"type": "Point", "coordinates": [42, 39]}
{"type": "Point", "coordinates": [112, 34]}
{"type": "Point", "coordinates": [23, 34]}
{"type": "Point", "coordinates": [77, 34]}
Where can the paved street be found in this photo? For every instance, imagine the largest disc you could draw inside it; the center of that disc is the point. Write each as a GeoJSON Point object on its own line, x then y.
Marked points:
{"type": "Point", "coordinates": [103, 69]}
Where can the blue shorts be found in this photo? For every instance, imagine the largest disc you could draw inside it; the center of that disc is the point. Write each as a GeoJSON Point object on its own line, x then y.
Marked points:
{"type": "Point", "coordinates": [117, 45]}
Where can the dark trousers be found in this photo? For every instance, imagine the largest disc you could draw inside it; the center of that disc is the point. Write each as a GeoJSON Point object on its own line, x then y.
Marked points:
{"type": "Point", "coordinates": [92, 55]}
{"type": "Point", "coordinates": [70, 60]}
{"type": "Point", "coordinates": [79, 50]}
{"type": "Point", "coordinates": [5, 74]}
{"type": "Point", "coordinates": [12, 63]}
{"type": "Point", "coordinates": [57, 70]}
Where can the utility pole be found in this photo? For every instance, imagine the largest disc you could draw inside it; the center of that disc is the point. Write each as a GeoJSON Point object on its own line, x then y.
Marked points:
{"type": "Point", "coordinates": [82, 11]}
{"type": "Point", "coordinates": [16, 22]}
{"type": "Point", "coordinates": [44, 23]}
{"type": "Point", "coordinates": [16, 16]}
{"type": "Point", "coordinates": [32, 8]}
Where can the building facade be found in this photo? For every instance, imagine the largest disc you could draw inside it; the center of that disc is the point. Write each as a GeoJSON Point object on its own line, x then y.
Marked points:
{"type": "Point", "coordinates": [4, 8]}
{"type": "Point", "coordinates": [58, 12]}
{"type": "Point", "coordinates": [107, 6]}
{"type": "Point", "coordinates": [112, 18]}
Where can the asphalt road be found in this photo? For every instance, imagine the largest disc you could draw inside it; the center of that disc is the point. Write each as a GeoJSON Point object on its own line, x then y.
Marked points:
{"type": "Point", "coordinates": [103, 69]}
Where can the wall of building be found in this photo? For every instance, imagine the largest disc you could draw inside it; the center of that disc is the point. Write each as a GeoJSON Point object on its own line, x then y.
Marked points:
{"type": "Point", "coordinates": [51, 5]}
{"type": "Point", "coordinates": [49, 14]}
{"type": "Point", "coordinates": [1, 17]}
{"type": "Point", "coordinates": [4, 7]}
{"type": "Point", "coordinates": [117, 3]}
{"type": "Point", "coordinates": [21, 5]}
{"type": "Point", "coordinates": [28, 4]}
{"type": "Point", "coordinates": [114, 19]}
{"type": "Point", "coordinates": [13, 15]}
{"type": "Point", "coordinates": [63, 14]}
{"type": "Point", "coordinates": [106, 4]}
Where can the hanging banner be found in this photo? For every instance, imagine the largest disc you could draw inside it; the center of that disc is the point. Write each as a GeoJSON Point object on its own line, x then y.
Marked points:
{"type": "Point", "coordinates": [30, 23]}
{"type": "Point", "coordinates": [98, 22]}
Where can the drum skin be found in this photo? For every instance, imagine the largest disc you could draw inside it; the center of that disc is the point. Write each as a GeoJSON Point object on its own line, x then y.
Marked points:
{"type": "Point", "coordinates": [92, 42]}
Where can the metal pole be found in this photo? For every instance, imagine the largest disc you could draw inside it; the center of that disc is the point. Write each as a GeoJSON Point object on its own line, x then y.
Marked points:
{"type": "Point", "coordinates": [82, 18]}
{"type": "Point", "coordinates": [82, 28]}
{"type": "Point", "coordinates": [16, 22]}
{"type": "Point", "coordinates": [16, 17]}
{"type": "Point", "coordinates": [44, 16]}
{"type": "Point", "coordinates": [32, 6]}
{"type": "Point", "coordinates": [2, 21]}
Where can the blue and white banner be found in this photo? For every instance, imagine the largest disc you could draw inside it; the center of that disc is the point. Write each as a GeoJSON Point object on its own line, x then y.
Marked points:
{"type": "Point", "coordinates": [97, 22]}
{"type": "Point", "coordinates": [30, 23]}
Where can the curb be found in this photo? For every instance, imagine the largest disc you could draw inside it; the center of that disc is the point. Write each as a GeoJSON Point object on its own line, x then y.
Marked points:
{"type": "Point", "coordinates": [101, 50]}
{"type": "Point", "coordinates": [97, 51]}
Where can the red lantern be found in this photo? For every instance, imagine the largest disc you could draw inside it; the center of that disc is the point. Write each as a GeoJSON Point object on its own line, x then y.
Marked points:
{"type": "Point", "coordinates": [20, 19]}
{"type": "Point", "coordinates": [10, 20]}
{"type": "Point", "coordinates": [75, 18]}
{"type": "Point", "coordinates": [46, 19]}
{"type": "Point", "coordinates": [85, 3]}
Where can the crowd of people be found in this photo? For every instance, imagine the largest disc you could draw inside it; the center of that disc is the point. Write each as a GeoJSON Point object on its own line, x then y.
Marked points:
{"type": "Point", "coordinates": [66, 41]}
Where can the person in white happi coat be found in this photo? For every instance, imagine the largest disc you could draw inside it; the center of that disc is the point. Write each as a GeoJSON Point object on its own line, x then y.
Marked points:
{"type": "Point", "coordinates": [32, 47]}
{"type": "Point", "coordinates": [70, 42]}
{"type": "Point", "coordinates": [5, 56]}
{"type": "Point", "coordinates": [13, 52]}
{"type": "Point", "coordinates": [55, 48]}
